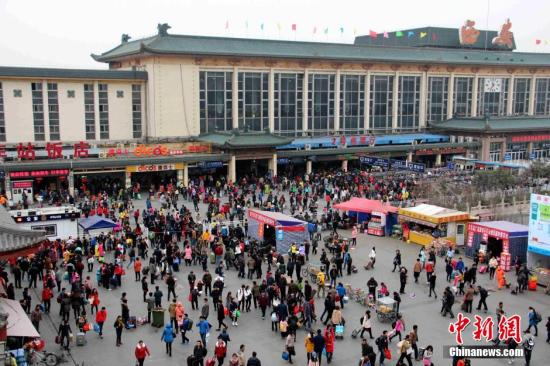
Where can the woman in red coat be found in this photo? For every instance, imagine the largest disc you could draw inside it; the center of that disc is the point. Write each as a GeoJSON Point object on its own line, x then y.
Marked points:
{"type": "Point", "coordinates": [141, 352]}
{"type": "Point", "coordinates": [220, 350]}
{"type": "Point", "coordinates": [329, 342]}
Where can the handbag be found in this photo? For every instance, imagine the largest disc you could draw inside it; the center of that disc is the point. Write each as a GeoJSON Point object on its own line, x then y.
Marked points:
{"type": "Point", "coordinates": [387, 353]}
{"type": "Point", "coordinates": [285, 355]}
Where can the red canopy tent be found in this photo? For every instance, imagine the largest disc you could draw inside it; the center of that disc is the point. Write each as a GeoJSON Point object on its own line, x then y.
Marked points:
{"type": "Point", "coordinates": [381, 216]}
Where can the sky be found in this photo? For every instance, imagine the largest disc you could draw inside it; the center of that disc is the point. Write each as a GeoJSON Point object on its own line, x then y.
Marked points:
{"type": "Point", "coordinates": [64, 33]}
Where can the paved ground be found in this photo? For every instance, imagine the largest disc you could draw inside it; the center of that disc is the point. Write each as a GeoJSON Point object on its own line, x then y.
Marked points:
{"type": "Point", "coordinates": [256, 334]}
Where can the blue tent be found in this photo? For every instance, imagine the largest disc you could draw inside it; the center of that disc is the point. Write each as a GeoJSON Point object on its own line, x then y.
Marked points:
{"type": "Point", "coordinates": [96, 222]}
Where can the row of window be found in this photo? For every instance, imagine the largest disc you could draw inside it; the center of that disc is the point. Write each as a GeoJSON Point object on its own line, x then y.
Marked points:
{"type": "Point", "coordinates": [492, 98]}
{"type": "Point", "coordinates": [89, 111]}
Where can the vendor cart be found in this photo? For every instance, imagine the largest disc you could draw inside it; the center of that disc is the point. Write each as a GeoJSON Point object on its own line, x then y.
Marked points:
{"type": "Point", "coordinates": [386, 309]}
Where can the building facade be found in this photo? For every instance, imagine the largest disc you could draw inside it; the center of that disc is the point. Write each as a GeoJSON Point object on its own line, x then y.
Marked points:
{"type": "Point", "coordinates": [175, 102]}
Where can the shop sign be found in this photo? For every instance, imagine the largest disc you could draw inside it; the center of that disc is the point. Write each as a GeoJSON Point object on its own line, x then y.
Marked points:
{"type": "Point", "coordinates": [374, 161]}
{"type": "Point", "coordinates": [282, 161]}
{"type": "Point", "coordinates": [39, 173]}
{"type": "Point", "coordinates": [353, 140]}
{"type": "Point", "coordinates": [447, 150]}
{"type": "Point", "coordinates": [486, 231]}
{"type": "Point", "coordinates": [470, 238]}
{"type": "Point", "coordinates": [210, 164]}
{"type": "Point", "coordinates": [530, 138]}
{"type": "Point", "coordinates": [22, 184]}
{"type": "Point", "coordinates": [280, 234]}
{"type": "Point", "coordinates": [508, 156]}
{"type": "Point", "coordinates": [260, 231]}
{"type": "Point", "coordinates": [532, 156]}
{"type": "Point", "coordinates": [171, 149]}
{"type": "Point", "coordinates": [154, 168]}
{"type": "Point", "coordinates": [2, 151]}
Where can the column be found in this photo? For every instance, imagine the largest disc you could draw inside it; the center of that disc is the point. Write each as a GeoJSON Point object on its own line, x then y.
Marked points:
{"type": "Point", "coordinates": [305, 99]}
{"type": "Point", "coordinates": [366, 126]}
{"type": "Point", "coordinates": [473, 112]}
{"type": "Point", "coordinates": [502, 150]}
{"type": "Point", "coordinates": [235, 97]}
{"type": "Point", "coordinates": [423, 100]}
{"type": "Point", "coordinates": [451, 96]}
{"type": "Point", "coordinates": [179, 175]}
{"type": "Point", "coordinates": [395, 106]}
{"type": "Point", "coordinates": [510, 101]}
{"type": "Point", "coordinates": [232, 169]}
{"type": "Point", "coordinates": [438, 160]}
{"type": "Point", "coordinates": [485, 148]}
{"type": "Point", "coordinates": [532, 90]}
{"type": "Point", "coordinates": [185, 175]}
{"type": "Point", "coordinates": [337, 101]}
{"type": "Point", "coordinates": [274, 164]}
{"type": "Point", "coordinates": [344, 165]}
{"type": "Point", "coordinates": [7, 186]}
{"type": "Point", "coordinates": [271, 101]}
{"type": "Point", "coordinates": [409, 156]}
{"type": "Point", "coordinates": [309, 166]}
{"type": "Point", "coordinates": [529, 150]}
{"type": "Point", "coordinates": [70, 179]}
{"type": "Point", "coordinates": [128, 180]}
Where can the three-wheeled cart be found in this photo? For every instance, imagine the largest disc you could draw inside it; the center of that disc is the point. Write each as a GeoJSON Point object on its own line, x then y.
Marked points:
{"type": "Point", "coordinates": [386, 309]}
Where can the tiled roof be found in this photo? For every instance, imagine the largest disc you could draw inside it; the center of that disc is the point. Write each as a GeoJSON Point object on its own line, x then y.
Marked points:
{"type": "Point", "coordinates": [240, 47]}
{"type": "Point", "coordinates": [240, 140]}
{"type": "Point", "coordinates": [39, 72]}
{"type": "Point", "coordinates": [14, 238]}
{"type": "Point", "coordinates": [494, 124]}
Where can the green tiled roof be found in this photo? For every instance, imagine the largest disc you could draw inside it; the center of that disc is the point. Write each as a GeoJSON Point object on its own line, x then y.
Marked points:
{"type": "Point", "coordinates": [495, 124]}
{"type": "Point", "coordinates": [434, 37]}
{"type": "Point", "coordinates": [239, 140]}
{"type": "Point", "coordinates": [239, 47]}
{"type": "Point", "coordinates": [39, 72]}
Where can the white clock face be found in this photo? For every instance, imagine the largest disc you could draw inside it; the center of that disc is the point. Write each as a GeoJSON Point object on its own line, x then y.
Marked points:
{"type": "Point", "coordinates": [492, 85]}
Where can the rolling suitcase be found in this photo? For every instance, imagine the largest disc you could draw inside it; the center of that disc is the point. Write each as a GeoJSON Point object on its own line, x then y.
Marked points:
{"type": "Point", "coordinates": [80, 339]}
{"type": "Point", "coordinates": [355, 332]}
{"type": "Point", "coordinates": [339, 331]}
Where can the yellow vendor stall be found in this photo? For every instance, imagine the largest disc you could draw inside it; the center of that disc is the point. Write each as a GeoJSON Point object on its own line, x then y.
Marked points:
{"type": "Point", "coordinates": [424, 223]}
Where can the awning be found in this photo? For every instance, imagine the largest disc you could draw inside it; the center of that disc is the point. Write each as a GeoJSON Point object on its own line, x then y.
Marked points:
{"type": "Point", "coordinates": [96, 222]}
{"type": "Point", "coordinates": [433, 214]}
{"type": "Point", "coordinates": [357, 204]}
{"type": "Point", "coordinates": [16, 241]}
{"type": "Point", "coordinates": [19, 324]}
{"type": "Point", "coordinates": [278, 220]}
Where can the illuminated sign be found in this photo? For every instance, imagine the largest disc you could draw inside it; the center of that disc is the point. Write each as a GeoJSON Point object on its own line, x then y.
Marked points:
{"type": "Point", "coordinates": [39, 173]}
{"type": "Point", "coordinates": [530, 138]}
{"type": "Point", "coordinates": [154, 168]}
{"type": "Point", "coordinates": [22, 184]}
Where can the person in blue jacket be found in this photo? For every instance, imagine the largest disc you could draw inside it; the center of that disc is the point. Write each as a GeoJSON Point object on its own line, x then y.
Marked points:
{"type": "Point", "coordinates": [341, 293]}
{"type": "Point", "coordinates": [204, 326]}
{"type": "Point", "coordinates": [533, 321]}
{"type": "Point", "coordinates": [168, 337]}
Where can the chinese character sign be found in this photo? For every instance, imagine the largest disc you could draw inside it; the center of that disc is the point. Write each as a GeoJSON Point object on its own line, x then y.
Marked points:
{"type": "Point", "coordinates": [508, 327]}
{"type": "Point", "coordinates": [26, 152]}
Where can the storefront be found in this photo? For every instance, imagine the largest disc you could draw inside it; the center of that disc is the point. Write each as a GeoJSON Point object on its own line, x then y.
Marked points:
{"type": "Point", "coordinates": [425, 223]}
{"type": "Point", "coordinates": [375, 217]}
{"type": "Point", "coordinates": [29, 183]}
{"type": "Point", "coordinates": [503, 239]}
{"type": "Point", "coordinates": [154, 175]}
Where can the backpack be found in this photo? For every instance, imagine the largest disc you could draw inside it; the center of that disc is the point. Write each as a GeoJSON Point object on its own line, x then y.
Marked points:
{"type": "Point", "coordinates": [190, 324]}
{"type": "Point", "coordinates": [538, 317]}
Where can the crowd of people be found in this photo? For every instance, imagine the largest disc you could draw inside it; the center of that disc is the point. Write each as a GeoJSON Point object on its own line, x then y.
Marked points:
{"type": "Point", "coordinates": [177, 239]}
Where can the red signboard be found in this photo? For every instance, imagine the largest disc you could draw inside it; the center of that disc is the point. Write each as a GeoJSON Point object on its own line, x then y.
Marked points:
{"type": "Point", "coordinates": [39, 173]}
{"type": "Point", "coordinates": [486, 231]}
{"type": "Point", "coordinates": [530, 138]}
{"type": "Point", "coordinates": [22, 184]}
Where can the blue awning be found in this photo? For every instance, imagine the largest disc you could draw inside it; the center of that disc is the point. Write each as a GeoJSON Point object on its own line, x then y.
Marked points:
{"type": "Point", "coordinates": [96, 222]}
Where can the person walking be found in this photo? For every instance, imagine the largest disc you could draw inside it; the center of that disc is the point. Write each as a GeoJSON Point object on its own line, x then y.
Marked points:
{"type": "Point", "coordinates": [141, 352]}
{"type": "Point", "coordinates": [483, 294]}
{"type": "Point", "coordinates": [382, 344]}
{"type": "Point", "coordinates": [528, 345]}
{"type": "Point", "coordinates": [534, 319]}
{"type": "Point", "coordinates": [413, 338]}
{"type": "Point", "coordinates": [64, 333]}
{"type": "Point", "coordinates": [318, 345]}
{"type": "Point", "coordinates": [397, 260]}
{"type": "Point", "coordinates": [448, 301]}
{"type": "Point", "coordinates": [405, 351]}
{"type": "Point", "coordinates": [100, 318]}
{"type": "Point", "coordinates": [36, 317]}
{"type": "Point", "coordinates": [398, 328]}
{"type": "Point", "coordinates": [289, 346]}
{"type": "Point", "coordinates": [366, 324]}
{"type": "Point", "coordinates": [254, 360]}
{"type": "Point", "coordinates": [199, 352]}
{"type": "Point", "coordinates": [329, 342]}
{"type": "Point", "coordinates": [220, 350]}
{"type": "Point", "coordinates": [308, 344]}
{"type": "Point", "coordinates": [417, 269]}
{"type": "Point", "coordinates": [119, 326]}
{"type": "Point", "coordinates": [402, 279]}
{"type": "Point", "coordinates": [469, 299]}
{"type": "Point", "coordinates": [204, 326]}
{"type": "Point", "coordinates": [432, 280]}
{"type": "Point", "coordinates": [168, 337]}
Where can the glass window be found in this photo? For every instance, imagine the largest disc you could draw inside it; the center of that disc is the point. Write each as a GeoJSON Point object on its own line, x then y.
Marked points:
{"type": "Point", "coordinates": [462, 96]}
{"type": "Point", "coordinates": [542, 97]}
{"type": "Point", "coordinates": [288, 104]}
{"type": "Point", "coordinates": [103, 100]}
{"type": "Point", "coordinates": [409, 102]}
{"type": "Point", "coordinates": [89, 111]}
{"type": "Point", "coordinates": [438, 94]}
{"type": "Point", "coordinates": [215, 101]}
{"type": "Point", "coordinates": [495, 148]}
{"type": "Point", "coordinates": [320, 103]}
{"type": "Point", "coordinates": [492, 97]}
{"type": "Point", "coordinates": [352, 100]}
{"type": "Point", "coordinates": [541, 150]}
{"type": "Point", "coordinates": [2, 117]}
{"type": "Point", "coordinates": [516, 151]}
{"type": "Point", "coordinates": [53, 112]}
{"type": "Point", "coordinates": [381, 103]}
{"type": "Point", "coordinates": [136, 111]}
{"type": "Point", "coordinates": [253, 100]}
{"type": "Point", "coordinates": [38, 112]}
{"type": "Point", "coordinates": [522, 87]}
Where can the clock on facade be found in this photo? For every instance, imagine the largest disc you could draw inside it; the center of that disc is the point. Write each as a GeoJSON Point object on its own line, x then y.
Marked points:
{"type": "Point", "coordinates": [492, 85]}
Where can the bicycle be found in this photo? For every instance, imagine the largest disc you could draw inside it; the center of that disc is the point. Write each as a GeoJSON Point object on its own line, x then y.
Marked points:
{"type": "Point", "coordinates": [46, 358]}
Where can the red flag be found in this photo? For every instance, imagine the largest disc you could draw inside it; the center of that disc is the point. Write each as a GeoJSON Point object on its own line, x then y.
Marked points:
{"type": "Point", "coordinates": [434, 37]}
{"type": "Point", "coordinates": [386, 35]}
{"type": "Point", "coordinates": [537, 41]}
{"type": "Point", "coordinates": [294, 27]}
{"type": "Point", "coordinates": [373, 34]}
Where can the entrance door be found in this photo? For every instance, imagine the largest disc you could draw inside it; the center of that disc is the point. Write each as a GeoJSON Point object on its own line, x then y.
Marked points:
{"type": "Point", "coordinates": [459, 234]}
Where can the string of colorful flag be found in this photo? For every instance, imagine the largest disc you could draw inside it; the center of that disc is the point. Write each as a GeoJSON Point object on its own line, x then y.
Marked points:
{"type": "Point", "coordinates": [541, 42]}
{"type": "Point", "coordinates": [327, 30]}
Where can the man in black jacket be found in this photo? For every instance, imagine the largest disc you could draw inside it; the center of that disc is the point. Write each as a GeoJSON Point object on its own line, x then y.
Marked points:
{"type": "Point", "coordinates": [254, 361]}
{"type": "Point", "coordinates": [382, 343]}
{"type": "Point", "coordinates": [318, 344]}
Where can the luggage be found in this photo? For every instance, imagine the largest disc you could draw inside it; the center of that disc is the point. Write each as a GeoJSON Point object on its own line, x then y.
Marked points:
{"type": "Point", "coordinates": [285, 355]}
{"type": "Point", "coordinates": [339, 331]}
{"type": "Point", "coordinates": [482, 269]}
{"type": "Point", "coordinates": [132, 322]}
{"type": "Point", "coordinates": [210, 362]}
{"type": "Point", "coordinates": [212, 258]}
{"type": "Point", "coordinates": [191, 360]}
{"type": "Point", "coordinates": [355, 332]}
{"type": "Point", "coordinates": [80, 339]}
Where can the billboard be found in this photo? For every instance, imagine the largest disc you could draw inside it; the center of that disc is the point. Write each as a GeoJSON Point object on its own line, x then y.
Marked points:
{"type": "Point", "coordinates": [539, 225]}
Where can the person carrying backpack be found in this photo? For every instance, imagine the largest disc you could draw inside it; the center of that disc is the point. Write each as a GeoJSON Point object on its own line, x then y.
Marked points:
{"type": "Point", "coordinates": [534, 319]}
{"type": "Point", "coordinates": [382, 343]}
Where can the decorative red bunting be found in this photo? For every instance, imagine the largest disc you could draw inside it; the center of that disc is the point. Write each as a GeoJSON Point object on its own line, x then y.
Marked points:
{"type": "Point", "coordinates": [294, 27]}
{"type": "Point", "coordinates": [373, 34]}
{"type": "Point", "coordinates": [538, 41]}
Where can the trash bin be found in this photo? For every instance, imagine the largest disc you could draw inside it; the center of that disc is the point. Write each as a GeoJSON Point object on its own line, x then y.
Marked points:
{"type": "Point", "coordinates": [158, 318]}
